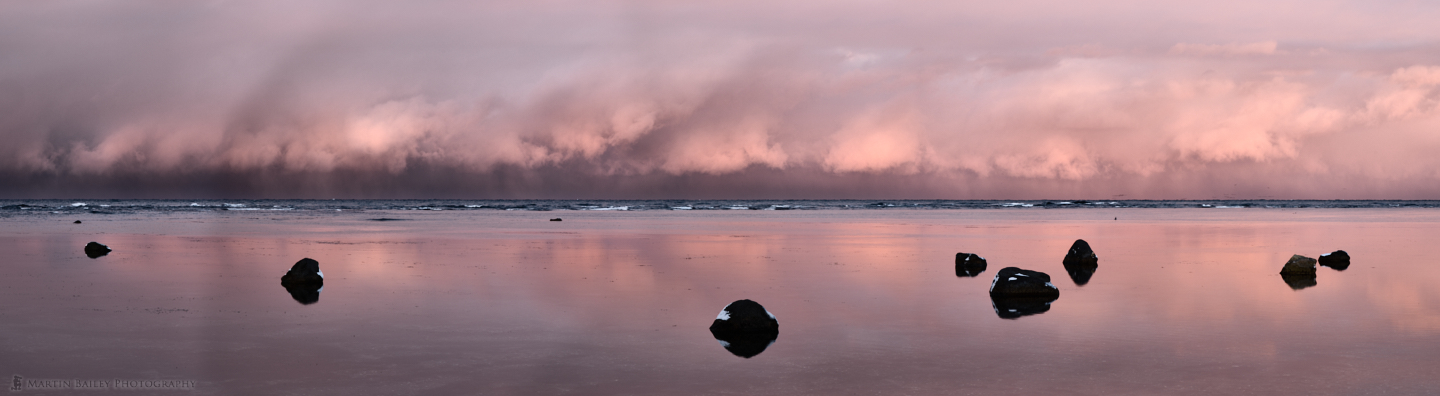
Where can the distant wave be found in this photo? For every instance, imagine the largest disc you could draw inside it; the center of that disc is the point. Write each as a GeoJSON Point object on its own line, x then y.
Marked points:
{"type": "Point", "coordinates": [40, 207]}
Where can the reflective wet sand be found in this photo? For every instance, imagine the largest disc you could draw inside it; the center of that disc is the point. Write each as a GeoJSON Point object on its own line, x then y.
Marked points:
{"type": "Point", "coordinates": [1183, 301]}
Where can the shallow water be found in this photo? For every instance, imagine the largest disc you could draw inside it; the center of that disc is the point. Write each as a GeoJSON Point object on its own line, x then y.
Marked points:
{"type": "Point", "coordinates": [46, 207]}
{"type": "Point", "coordinates": [1184, 301]}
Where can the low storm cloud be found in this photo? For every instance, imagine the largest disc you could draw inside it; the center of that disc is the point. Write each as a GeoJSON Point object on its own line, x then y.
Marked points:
{"type": "Point", "coordinates": [639, 99]}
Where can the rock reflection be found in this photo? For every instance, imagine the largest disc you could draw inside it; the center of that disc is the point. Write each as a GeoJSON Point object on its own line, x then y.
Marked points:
{"type": "Point", "coordinates": [1016, 307]}
{"type": "Point", "coordinates": [746, 346]}
{"type": "Point", "coordinates": [1080, 273]}
{"type": "Point", "coordinates": [1298, 282]}
{"type": "Point", "coordinates": [304, 293]}
{"type": "Point", "coordinates": [969, 265]}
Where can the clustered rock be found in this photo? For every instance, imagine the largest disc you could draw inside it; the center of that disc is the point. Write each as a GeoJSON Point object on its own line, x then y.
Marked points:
{"type": "Point", "coordinates": [1299, 271]}
{"type": "Point", "coordinates": [969, 264]}
{"type": "Point", "coordinates": [1337, 260]}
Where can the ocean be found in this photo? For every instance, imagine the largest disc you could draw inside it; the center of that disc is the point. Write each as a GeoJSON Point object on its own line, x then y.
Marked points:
{"type": "Point", "coordinates": [114, 206]}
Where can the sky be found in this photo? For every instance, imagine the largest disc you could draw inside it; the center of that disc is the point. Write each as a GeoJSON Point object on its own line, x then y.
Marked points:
{"type": "Point", "coordinates": [1029, 99]}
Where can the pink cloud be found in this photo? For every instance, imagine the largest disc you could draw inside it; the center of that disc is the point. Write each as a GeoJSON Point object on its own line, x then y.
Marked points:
{"type": "Point", "coordinates": [1022, 99]}
{"type": "Point", "coordinates": [1256, 48]}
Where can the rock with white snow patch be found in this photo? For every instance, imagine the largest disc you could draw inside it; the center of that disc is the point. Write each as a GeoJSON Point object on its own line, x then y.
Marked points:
{"type": "Point", "coordinates": [305, 271]}
{"type": "Point", "coordinates": [1015, 282]}
{"type": "Point", "coordinates": [745, 328]}
{"type": "Point", "coordinates": [968, 265]}
{"type": "Point", "coordinates": [1337, 260]}
{"type": "Point", "coordinates": [744, 316]}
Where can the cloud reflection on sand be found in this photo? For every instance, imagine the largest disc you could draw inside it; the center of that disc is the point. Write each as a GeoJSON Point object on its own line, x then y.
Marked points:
{"type": "Point", "coordinates": [513, 299]}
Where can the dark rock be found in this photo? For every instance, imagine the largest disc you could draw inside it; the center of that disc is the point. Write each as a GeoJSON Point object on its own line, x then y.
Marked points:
{"type": "Point", "coordinates": [304, 293]}
{"type": "Point", "coordinates": [1080, 253]}
{"type": "Point", "coordinates": [77, 221]}
{"type": "Point", "coordinates": [1299, 265]}
{"type": "Point", "coordinates": [1015, 307]}
{"type": "Point", "coordinates": [306, 271]}
{"type": "Point", "coordinates": [556, 219]}
{"type": "Point", "coordinates": [1015, 282]}
{"type": "Point", "coordinates": [1023, 282]}
{"type": "Point", "coordinates": [1080, 262]}
{"type": "Point", "coordinates": [745, 328]}
{"type": "Point", "coordinates": [968, 265]}
{"type": "Point", "coordinates": [1297, 281]}
{"type": "Point", "coordinates": [744, 316]}
{"type": "Point", "coordinates": [95, 249]}
{"type": "Point", "coordinates": [1337, 260]}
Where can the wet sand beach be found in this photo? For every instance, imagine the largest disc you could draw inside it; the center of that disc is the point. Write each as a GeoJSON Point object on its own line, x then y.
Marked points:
{"type": "Point", "coordinates": [1184, 301]}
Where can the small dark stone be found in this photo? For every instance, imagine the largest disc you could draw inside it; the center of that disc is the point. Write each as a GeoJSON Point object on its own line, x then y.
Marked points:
{"type": "Point", "coordinates": [305, 271]}
{"type": "Point", "coordinates": [969, 265]}
{"type": "Point", "coordinates": [1016, 307]}
{"type": "Point", "coordinates": [1297, 281]}
{"type": "Point", "coordinates": [1337, 260]}
{"type": "Point", "coordinates": [95, 249]}
{"type": "Point", "coordinates": [77, 221]}
{"type": "Point", "coordinates": [1080, 253]}
{"type": "Point", "coordinates": [1299, 265]}
{"type": "Point", "coordinates": [1015, 282]}
{"type": "Point", "coordinates": [555, 219]}
{"type": "Point", "coordinates": [304, 293]}
{"type": "Point", "coordinates": [745, 328]}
